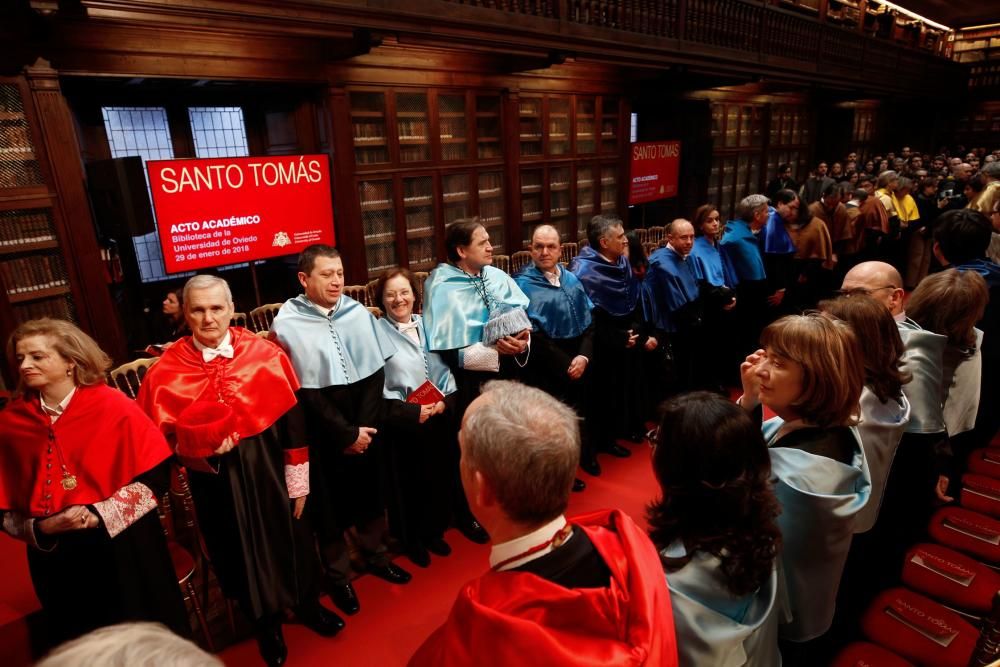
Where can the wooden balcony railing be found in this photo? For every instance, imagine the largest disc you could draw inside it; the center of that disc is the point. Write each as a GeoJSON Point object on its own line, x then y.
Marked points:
{"type": "Point", "coordinates": [744, 31]}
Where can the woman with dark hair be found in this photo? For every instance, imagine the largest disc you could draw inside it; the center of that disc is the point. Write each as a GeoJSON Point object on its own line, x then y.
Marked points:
{"type": "Point", "coordinates": [170, 325]}
{"type": "Point", "coordinates": [637, 256]}
{"type": "Point", "coordinates": [811, 374]}
{"type": "Point", "coordinates": [717, 283]}
{"type": "Point", "coordinates": [419, 425]}
{"type": "Point", "coordinates": [715, 527]}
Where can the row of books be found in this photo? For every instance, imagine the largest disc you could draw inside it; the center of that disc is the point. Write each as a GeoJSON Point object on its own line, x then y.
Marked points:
{"type": "Point", "coordinates": [59, 308]}
{"type": "Point", "coordinates": [24, 228]}
{"type": "Point", "coordinates": [30, 274]}
{"type": "Point", "coordinates": [14, 137]}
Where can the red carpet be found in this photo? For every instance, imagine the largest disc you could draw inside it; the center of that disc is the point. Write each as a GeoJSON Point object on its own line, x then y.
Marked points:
{"type": "Point", "coordinates": [393, 620]}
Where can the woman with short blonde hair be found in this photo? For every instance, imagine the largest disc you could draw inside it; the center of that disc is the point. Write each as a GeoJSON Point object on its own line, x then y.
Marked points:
{"type": "Point", "coordinates": [90, 363]}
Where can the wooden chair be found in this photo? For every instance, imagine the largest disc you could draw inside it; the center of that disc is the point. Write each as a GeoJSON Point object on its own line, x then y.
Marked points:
{"type": "Point", "coordinates": [569, 251]}
{"type": "Point", "coordinates": [128, 377]}
{"type": "Point", "coordinates": [359, 293]}
{"type": "Point", "coordinates": [419, 278]}
{"type": "Point", "coordinates": [656, 234]}
{"type": "Point", "coordinates": [502, 262]}
{"type": "Point", "coordinates": [372, 297]}
{"type": "Point", "coordinates": [649, 246]}
{"type": "Point", "coordinates": [641, 234]}
{"type": "Point", "coordinates": [519, 260]}
{"type": "Point", "coordinates": [262, 316]}
{"type": "Point", "coordinates": [239, 320]}
{"type": "Point", "coordinates": [263, 334]}
{"type": "Point", "coordinates": [375, 311]}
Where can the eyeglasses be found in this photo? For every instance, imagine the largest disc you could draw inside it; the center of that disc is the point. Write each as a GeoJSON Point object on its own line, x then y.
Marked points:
{"type": "Point", "coordinates": [863, 291]}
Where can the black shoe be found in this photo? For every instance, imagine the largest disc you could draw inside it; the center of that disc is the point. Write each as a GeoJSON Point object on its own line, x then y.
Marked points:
{"type": "Point", "coordinates": [474, 531]}
{"type": "Point", "coordinates": [418, 555]}
{"type": "Point", "coordinates": [617, 450]}
{"type": "Point", "coordinates": [591, 467]}
{"type": "Point", "coordinates": [344, 597]}
{"type": "Point", "coordinates": [319, 619]}
{"type": "Point", "coordinates": [271, 644]}
{"type": "Point", "coordinates": [438, 547]}
{"type": "Point", "coordinates": [391, 573]}
{"type": "Point", "coordinates": [578, 485]}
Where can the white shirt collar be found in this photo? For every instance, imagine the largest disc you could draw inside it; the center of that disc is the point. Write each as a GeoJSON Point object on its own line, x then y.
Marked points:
{"type": "Point", "coordinates": [325, 312]}
{"type": "Point", "coordinates": [54, 412]}
{"type": "Point", "coordinates": [226, 340]}
{"type": "Point", "coordinates": [519, 545]}
{"type": "Point", "coordinates": [552, 276]}
{"type": "Point", "coordinates": [900, 317]}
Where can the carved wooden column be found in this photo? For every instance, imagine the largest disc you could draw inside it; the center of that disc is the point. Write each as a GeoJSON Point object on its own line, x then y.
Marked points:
{"type": "Point", "coordinates": [95, 310]}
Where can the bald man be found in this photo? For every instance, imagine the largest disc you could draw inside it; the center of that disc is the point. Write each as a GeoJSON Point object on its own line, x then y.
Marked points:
{"type": "Point", "coordinates": [675, 299]}
{"type": "Point", "coordinates": [880, 281]}
{"type": "Point", "coordinates": [563, 333]}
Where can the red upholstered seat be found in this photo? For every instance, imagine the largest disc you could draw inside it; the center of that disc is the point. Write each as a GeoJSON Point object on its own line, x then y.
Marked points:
{"type": "Point", "coordinates": [981, 493]}
{"type": "Point", "coordinates": [863, 654]}
{"type": "Point", "coordinates": [919, 629]}
{"type": "Point", "coordinates": [985, 462]}
{"type": "Point", "coordinates": [970, 532]}
{"type": "Point", "coordinates": [952, 577]}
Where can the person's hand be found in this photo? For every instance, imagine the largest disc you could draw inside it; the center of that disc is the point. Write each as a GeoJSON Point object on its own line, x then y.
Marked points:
{"type": "Point", "coordinates": [632, 339]}
{"type": "Point", "coordinates": [751, 383]}
{"type": "Point", "coordinates": [514, 345]}
{"type": "Point", "coordinates": [74, 517]}
{"type": "Point", "coordinates": [299, 507]}
{"type": "Point", "coordinates": [439, 408]}
{"type": "Point", "coordinates": [941, 490]}
{"type": "Point", "coordinates": [577, 366]}
{"type": "Point", "coordinates": [426, 412]}
{"type": "Point", "coordinates": [775, 299]}
{"type": "Point", "coordinates": [651, 344]}
{"type": "Point", "coordinates": [228, 444]}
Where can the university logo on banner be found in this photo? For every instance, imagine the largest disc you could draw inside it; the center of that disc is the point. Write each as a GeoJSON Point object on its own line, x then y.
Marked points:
{"type": "Point", "coordinates": [217, 211]}
{"type": "Point", "coordinates": [653, 171]}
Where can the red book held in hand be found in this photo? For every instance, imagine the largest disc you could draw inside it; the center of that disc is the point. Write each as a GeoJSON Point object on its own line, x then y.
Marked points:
{"type": "Point", "coordinates": [425, 394]}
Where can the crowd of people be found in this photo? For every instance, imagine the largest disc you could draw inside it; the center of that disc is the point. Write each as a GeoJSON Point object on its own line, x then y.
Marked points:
{"type": "Point", "coordinates": [482, 411]}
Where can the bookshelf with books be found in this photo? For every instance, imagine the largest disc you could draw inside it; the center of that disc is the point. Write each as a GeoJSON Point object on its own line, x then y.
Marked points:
{"type": "Point", "coordinates": [610, 121]}
{"type": "Point", "coordinates": [452, 125]}
{"type": "Point", "coordinates": [586, 124]}
{"type": "Point", "coordinates": [368, 124]}
{"type": "Point", "coordinates": [420, 216]}
{"type": "Point", "coordinates": [412, 127]}
{"type": "Point", "coordinates": [584, 198]}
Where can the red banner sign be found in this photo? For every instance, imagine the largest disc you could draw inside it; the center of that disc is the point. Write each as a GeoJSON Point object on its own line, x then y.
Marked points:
{"type": "Point", "coordinates": [654, 170]}
{"type": "Point", "coordinates": [217, 211]}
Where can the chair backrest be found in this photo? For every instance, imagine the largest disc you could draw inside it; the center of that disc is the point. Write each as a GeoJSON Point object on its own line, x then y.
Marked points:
{"type": "Point", "coordinates": [649, 246]}
{"type": "Point", "coordinates": [502, 262]}
{"type": "Point", "coordinates": [262, 316]}
{"type": "Point", "coordinates": [656, 233]}
{"type": "Point", "coordinates": [375, 311]}
{"type": "Point", "coordinates": [419, 278]}
{"type": "Point", "coordinates": [519, 260]}
{"type": "Point", "coordinates": [359, 293]}
{"type": "Point", "coordinates": [641, 234]}
{"type": "Point", "coordinates": [239, 320]}
{"type": "Point", "coordinates": [266, 335]}
{"type": "Point", "coordinates": [372, 297]}
{"type": "Point", "coordinates": [569, 251]}
{"type": "Point", "coordinates": [128, 377]}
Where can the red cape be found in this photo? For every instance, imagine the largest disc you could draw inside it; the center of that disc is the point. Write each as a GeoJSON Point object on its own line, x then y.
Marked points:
{"type": "Point", "coordinates": [105, 439]}
{"type": "Point", "coordinates": [258, 383]}
{"type": "Point", "coordinates": [517, 618]}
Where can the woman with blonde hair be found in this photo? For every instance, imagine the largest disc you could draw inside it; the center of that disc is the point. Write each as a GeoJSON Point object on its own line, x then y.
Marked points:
{"type": "Point", "coordinates": [81, 468]}
{"type": "Point", "coordinates": [810, 373]}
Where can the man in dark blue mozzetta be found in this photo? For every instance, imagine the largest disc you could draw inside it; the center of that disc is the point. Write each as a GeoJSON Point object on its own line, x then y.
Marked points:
{"type": "Point", "coordinates": [563, 333]}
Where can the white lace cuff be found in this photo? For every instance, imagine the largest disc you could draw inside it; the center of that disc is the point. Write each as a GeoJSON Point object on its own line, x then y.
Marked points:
{"type": "Point", "coordinates": [297, 479]}
{"type": "Point", "coordinates": [121, 510]}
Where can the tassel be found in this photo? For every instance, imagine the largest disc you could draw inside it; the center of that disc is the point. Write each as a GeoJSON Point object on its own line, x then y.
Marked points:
{"type": "Point", "coordinates": [505, 322]}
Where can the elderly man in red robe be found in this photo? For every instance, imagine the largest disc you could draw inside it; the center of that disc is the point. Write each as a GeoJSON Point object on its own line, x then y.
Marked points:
{"type": "Point", "coordinates": [559, 592]}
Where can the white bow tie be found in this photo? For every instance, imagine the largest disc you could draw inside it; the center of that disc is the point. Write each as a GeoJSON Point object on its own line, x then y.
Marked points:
{"type": "Point", "coordinates": [210, 353]}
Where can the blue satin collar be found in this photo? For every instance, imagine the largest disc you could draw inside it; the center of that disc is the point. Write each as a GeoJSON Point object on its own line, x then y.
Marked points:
{"type": "Point", "coordinates": [611, 287]}
{"type": "Point", "coordinates": [454, 309]}
{"type": "Point", "coordinates": [987, 269]}
{"type": "Point", "coordinates": [340, 348]}
{"type": "Point", "coordinates": [671, 285]}
{"type": "Point", "coordinates": [776, 238]}
{"type": "Point", "coordinates": [743, 249]}
{"type": "Point", "coordinates": [561, 312]}
{"type": "Point", "coordinates": [711, 262]}
{"type": "Point", "coordinates": [413, 364]}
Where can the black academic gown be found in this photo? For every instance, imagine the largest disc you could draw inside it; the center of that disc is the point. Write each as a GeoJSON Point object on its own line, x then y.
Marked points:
{"type": "Point", "coordinates": [347, 487]}
{"type": "Point", "coordinates": [90, 580]}
{"type": "Point", "coordinates": [262, 555]}
{"type": "Point", "coordinates": [618, 405]}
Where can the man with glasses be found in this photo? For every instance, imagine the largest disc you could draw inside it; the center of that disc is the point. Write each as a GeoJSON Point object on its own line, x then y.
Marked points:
{"type": "Point", "coordinates": [880, 281]}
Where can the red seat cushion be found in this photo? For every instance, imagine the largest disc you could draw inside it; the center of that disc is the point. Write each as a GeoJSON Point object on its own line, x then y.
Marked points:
{"type": "Point", "coordinates": [952, 577]}
{"type": "Point", "coordinates": [970, 532]}
{"type": "Point", "coordinates": [985, 462]}
{"type": "Point", "coordinates": [919, 629]}
{"type": "Point", "coordinates": [981, 493]}
{"type": "Point", "coordinates": [863, 654]}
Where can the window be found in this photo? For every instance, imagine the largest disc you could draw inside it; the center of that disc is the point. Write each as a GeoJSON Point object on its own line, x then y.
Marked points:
{"type": "Point", "coordinates": [143, 131]}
